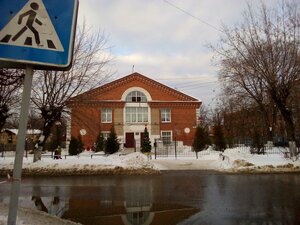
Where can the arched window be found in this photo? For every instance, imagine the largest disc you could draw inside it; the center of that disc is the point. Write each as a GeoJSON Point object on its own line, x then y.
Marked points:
{"type": "Point", "coordinates": [136, 96]}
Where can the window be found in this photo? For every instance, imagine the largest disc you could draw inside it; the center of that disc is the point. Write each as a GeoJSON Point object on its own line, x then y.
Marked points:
{"type": "Point", "coordinates": [166, 115]}
{"type": "Point", "coordinates": [136, 114]}
{"type": "Point", "coordinates": [166, 137]}
{"type": "Point", "coordinates": [136, 96]}
{"type": "Point", "coordinates": [106, 115]}
{"type": "Point", "coordinates": [105, 134]}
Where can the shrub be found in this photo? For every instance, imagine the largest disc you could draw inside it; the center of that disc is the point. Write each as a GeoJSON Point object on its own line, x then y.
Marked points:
{"type": "Point", "coordinates": [73, 146]}
{"type": "Point", "coordinates": [76, 146]}
{"type": "Point", "coordinates": [112, 143]}
{"type": "Point", "coordinates": [146, 143]}
{"type": "Point", "coordinates": [100, 143]}
{"type": "Point", "coordinates": [219, 139]}
{"type": "Point", "coordinates": [201, 139]}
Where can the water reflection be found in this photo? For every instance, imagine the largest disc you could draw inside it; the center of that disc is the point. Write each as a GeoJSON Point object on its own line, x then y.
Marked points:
{"type": "Point", "coordinates": [129, 201]}
{"type": "Point", "coordinates": [186, 198]}
{"type": "Point", "coordinates": [250, 199]}
{"type": "Point", "coordinates": [55, 206]}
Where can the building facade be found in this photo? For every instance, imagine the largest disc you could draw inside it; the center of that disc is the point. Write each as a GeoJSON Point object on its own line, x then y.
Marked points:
{"type": "Point", "coordinates": [129, 104]}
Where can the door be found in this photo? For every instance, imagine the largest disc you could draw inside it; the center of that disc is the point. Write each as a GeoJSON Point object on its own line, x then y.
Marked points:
{"type": "Point", "coordinates": [129, 140]}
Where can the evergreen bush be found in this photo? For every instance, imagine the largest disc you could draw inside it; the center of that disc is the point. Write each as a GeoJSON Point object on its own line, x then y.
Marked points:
{"type": "Point", "coordinates": [146, 143]}
{"type": "Point", "coordinates": [80, 144]}
{"type": "Point", "coordinates": [219, 139]}
{"type": "Point", "coordinates": [100, 143]}
{"type": "Point", "coordinates": [73, 146]}
{"type": "Point", "coordinates": [112, 142]}
{"type": "Point", "coordinates": [201, 139]}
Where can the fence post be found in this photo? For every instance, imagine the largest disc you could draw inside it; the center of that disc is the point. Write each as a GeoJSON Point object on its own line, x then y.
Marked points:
{"type": "Point", "coordinates": [155, 148]}
{"type": "Point", "coordinates": [167, 146]}
{"type": "Point", "coordinates": [134, 145]}
{"type": "Point", "coordinates": [175, 148]}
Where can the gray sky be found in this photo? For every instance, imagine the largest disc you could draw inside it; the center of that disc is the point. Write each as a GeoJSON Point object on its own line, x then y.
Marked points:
{"type": "Point", "coordinates": [163, 42]}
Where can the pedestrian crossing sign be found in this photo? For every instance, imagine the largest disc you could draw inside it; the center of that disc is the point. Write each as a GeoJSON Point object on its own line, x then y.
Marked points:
{"type": "Point", "coordinates": [37, 32]}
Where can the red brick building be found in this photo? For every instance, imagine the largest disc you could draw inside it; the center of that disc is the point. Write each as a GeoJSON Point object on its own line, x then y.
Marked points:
{"type": "Point", "coordinates": [129, 104]}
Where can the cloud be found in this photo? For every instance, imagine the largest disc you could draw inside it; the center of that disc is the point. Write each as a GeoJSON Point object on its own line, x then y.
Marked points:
{"type": "Point", "coordinates": [163, 42]}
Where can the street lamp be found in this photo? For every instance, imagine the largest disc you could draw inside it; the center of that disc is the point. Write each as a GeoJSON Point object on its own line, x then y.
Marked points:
{"type": "Point", "coordinates": [270, 143]}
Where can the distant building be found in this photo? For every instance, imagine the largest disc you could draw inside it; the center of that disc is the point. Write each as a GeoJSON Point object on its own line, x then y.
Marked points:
{"type": "Point", "coordinates": [131, 103]}
{"type": "Point", "coordinates": [8, 138]}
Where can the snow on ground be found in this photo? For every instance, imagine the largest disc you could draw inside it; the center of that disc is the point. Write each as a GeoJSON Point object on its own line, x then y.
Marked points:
{"type": "Point", "coordinates": [32, 217]}
{"type": "Point", "coordinates": [241, 160]}
{"type": "Point", "coordinates": [86, 162]}
{"type": "Point", "coordinates": [207, 160]}
{"type": "Point", "coordinates": [232, 160]}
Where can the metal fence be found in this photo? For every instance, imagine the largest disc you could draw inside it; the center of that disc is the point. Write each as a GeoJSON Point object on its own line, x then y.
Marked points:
{"type": "Point", "coordinates": [7, 147]}
{"type": "Point", "coordinates": [265, 149]}
{"type": "Point", "coordinates": [173, 150]}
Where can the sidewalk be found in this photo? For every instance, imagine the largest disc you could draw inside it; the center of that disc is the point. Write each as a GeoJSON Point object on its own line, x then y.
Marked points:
{"type": "Point", "coordinates": [185, 164]}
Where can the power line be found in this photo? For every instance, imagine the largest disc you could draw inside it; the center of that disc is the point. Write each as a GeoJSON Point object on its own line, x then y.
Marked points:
{"type": "Point", "coordinates": [191, 15]}
{"type": "Point", "coordinates": [182, 78]}
{"type": "Point", "coordinates": [196, 85]}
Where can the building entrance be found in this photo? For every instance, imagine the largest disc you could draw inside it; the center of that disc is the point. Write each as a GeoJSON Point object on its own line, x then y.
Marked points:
{"type": "Point", "coordinates": [129, 143]}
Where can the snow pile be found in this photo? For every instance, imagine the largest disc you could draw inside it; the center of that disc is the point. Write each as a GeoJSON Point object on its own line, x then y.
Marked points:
{"type": "Point", "coordinates": [137, 160]}
{"type": "Point", "coordinates": [90, 163]}
{"type": "Point", "coordinates": [85, 163]}
{"type": "Point", "coordinates": [238, 159]}
{"type": "Point", "coordinates": [32, 217]}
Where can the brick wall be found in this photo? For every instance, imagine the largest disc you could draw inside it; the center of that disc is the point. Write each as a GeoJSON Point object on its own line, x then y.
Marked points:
{"type": "Point", "coordinates": [86, 114]}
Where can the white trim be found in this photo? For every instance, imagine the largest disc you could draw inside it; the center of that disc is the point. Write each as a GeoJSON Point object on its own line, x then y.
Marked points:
{"type": "Point", "coordinates": [102, 112]}
{"type": "Point", "coordinates": [161, 115]}
{"type": "Point", "coordinates": [144, 91]}
{"type": "Point", "coordinates": [166, 131]}
{"type": "Point", "coordinates": [133, 106]}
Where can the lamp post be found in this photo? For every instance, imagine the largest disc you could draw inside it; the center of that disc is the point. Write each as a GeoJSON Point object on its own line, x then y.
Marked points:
{"type": "Point", "coordinates": [270, 142]}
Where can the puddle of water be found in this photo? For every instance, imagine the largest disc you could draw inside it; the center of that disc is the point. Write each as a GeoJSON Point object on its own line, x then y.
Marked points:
{"type": "Point", "coordinates": [175, 197]}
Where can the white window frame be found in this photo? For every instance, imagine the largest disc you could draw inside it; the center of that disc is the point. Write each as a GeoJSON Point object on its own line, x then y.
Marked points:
{"type": "Point", "coordinates": [106, 115]}
{"type": "Point", "coordinates": [166, 115]}
{"type": "Point", "coordinates": [136, 96]}
{"type": "Point", "coordinates": [162, 136]}
{"type": "Point", "coordinates": [136, 114]}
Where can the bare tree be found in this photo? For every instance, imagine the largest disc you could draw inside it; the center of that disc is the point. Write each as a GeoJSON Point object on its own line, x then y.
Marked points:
{"type": "Point", "coordinates": [52, 89]}
{"type": "Point", "coordinates": [10, 83]}
{"type": "Point", "coordinates": [261, 58]}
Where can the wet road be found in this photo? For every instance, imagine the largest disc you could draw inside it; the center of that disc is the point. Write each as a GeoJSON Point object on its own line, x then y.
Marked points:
{"type": "Point", "coordinates": [175, 197]}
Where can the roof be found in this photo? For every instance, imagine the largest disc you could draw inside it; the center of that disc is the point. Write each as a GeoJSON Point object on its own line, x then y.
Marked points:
{"type": "Point", "coordinates": [29, 131]}
{"type": "Point", "coordinates": [134, 77]}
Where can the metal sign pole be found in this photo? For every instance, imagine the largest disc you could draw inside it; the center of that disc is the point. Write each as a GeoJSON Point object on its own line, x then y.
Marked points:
{"type": "Point", "coordinates": [16, 181]}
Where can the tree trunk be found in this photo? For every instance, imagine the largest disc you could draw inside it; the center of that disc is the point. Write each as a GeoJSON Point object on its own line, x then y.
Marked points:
{"type": "Point", "coordinates": [290, 129]}
{"type": "Point", "coordinates": [2, 121]}
{"type": "Point", "coordinates": [37, 154]}
{"type": "Point", "coordinates": [3, 116]}
{"type": "Point", "coordinates": [42, 142]}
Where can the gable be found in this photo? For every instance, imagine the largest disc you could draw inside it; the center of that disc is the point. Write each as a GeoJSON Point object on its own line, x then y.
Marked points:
{"type": "Point", "coordinates": [115, 90]}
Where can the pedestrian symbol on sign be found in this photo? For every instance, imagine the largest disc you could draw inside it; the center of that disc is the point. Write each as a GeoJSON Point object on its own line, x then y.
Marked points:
{"type": "Point", "coordinates": [29, 24]}
{"type": "Point", "coordinates": [32, 22]}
